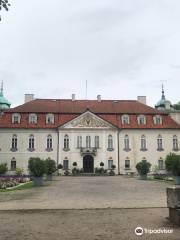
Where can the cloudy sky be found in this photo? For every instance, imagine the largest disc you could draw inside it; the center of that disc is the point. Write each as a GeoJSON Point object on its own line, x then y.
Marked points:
{"type": "Point", "coordinates": [124, 48]}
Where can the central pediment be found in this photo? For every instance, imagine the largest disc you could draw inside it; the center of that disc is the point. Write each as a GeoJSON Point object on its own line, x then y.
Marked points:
{"type": "Point", "coordinates": [87, 120]}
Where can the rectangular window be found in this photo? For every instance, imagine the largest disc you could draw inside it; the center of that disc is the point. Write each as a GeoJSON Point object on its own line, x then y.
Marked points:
{"type": "Point", "coordinates": [49, 143]}
{"type": "Point", "coordinates": [79, 141]}
{"type": "Point", "coordinates": [88, 141]}
{"type": "Point", "coordinates": [110, 163]}
{"type": "Point", "coordinates": [14, 143]}
{"type": "Point", "coordinates": [127, 164]}
{"type": "Point", "coordinates": [65, 164]}
{"type": "Point", "coordinates": [16, 119]}
{"type": "Point", "coordinates": [143, 144]}
{"type": "Point", "coordinates": [160, 164]}
{"type": "Point", "coordinates": [96, 141]}
{"type": "Point", "coordinates": [126, 144]}
{"type": "Point", "coordinates": [175, 144]}
{"type": "Point", "coordinates": [159, 144]}
{"type": "Point", "coordinates": [13, 165]}
{"type": "Point", "coordinates": [31, 143]}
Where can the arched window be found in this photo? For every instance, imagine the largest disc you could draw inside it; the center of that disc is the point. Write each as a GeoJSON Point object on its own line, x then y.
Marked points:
{"type": "Point", "coordinates": [126, 143]}
{"type": "Point", "coordinates": [13, 164]}
{"type": "Point", "coordinates": [32, 118]}
{"type": "Point", "coordinates": [175, 143]}
{"type": "Point", "coordinates": [79, 141]}
{"type": "Point", "coordinates": [49, 143]}
{"type": "Point", "coordinates": [50, 118]}
{"type": "Point", "coordinates": [110, 142]}
{"type": "Point", "coordinates": [88, 141]}
{"type": "Point", "coordinates": [125, 119]}
{"type": "Point", "coordinates": [157, 119]}
{"type": "Point", "coordinates": [96, 141]}
{"type": "Point", "coordinates": [159, 143]}
{"type": "Point", "coordinates": [141, 120]}
{"type": "Point", "coordinates": [31, 142]}
{"type": "Point", "coordinates": [143, 143]}
{"type": "Point", "coordinates": [66, 142]}
{"type": "Point", "coordinates": [14, 143]}
{"type": "Point", "coordinates": [16, 118]}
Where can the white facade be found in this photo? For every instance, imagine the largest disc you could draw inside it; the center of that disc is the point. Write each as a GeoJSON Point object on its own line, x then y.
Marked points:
{"type": "Point", "coordinates": [88, 126]}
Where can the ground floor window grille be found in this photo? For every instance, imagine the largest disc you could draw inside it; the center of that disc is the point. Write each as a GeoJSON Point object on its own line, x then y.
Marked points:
{"type": "Point", "coordinates": [65, 164]}
{"type": "Point", "coordinates": [110, 163]}
{"type": "Point", "coordinates": [127, 164]}
{"type": "Point", "coordinates": [13, 165]}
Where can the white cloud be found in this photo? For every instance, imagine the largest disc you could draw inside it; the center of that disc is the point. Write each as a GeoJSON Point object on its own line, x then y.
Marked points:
{"type": "Point", "coordinates": [124, 48]}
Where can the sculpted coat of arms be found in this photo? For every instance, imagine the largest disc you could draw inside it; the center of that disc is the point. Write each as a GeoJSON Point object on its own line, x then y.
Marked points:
{"type": "Point", "coordinates": [89, 121]}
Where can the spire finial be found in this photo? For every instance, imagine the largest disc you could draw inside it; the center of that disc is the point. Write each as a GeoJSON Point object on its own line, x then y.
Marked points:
{"type": "Point", "coordinates": [163, 96]}
{"type": "Point", "coordinates": [1, 89]}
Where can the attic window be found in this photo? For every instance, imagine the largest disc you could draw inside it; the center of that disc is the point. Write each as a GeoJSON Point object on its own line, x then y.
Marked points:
{"type": "Point", "coordinates": [157, 120]}
{"type": "Point", "coordinates": [16, 118]}
{"type": "Point", "coordinates": [141, 120]}
{"type": "Point", "coordinates": [125, 119]}
{"type": "Point", "coordinates": [32, 118]}
{"type": "Point", "coordinates": [50, 118]}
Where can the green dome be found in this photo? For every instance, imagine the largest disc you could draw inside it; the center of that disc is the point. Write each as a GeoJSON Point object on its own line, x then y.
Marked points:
{"type": "Point", "coordinates": [163, 103]}
{"type": "Point", "coordinates": [4, 103]}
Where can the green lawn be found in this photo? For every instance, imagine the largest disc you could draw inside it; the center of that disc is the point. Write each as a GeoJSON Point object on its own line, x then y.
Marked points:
{"type": "Point", "coordinates": [27, 185]}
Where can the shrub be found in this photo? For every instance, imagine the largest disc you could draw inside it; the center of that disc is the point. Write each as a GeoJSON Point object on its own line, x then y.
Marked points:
{"type": "Point", "coordinates": [60, 166]}
{"type": "Point", "coordinates": [99, 171]}
{"type": "Point", "coordinates": [50, 166]}
{"type": "Point", "coordinates": [74, 164]}
{"type": "Point", "coordinates": [113, 166]}
{"type": "Point", "coordinates": [101, 164]}
{"type": "Point", "coordinates": [75, 171]}
{"type": "Point", "coordinates": [143, 167]}
{"type": "Point", "coordinates": [3, 168]}
{"type": "Point", "coordinates": [36, 167]}
{"type": "Point", "coordinates": [172, 163]}
{"type": "Point", "coordinates": [19, 171]}
{"type": "Point", "coordinates": [66, 173]}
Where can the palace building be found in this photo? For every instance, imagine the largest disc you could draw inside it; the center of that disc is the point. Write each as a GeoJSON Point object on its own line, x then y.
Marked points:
{"type": "Point", "coordinates": [115, 132]}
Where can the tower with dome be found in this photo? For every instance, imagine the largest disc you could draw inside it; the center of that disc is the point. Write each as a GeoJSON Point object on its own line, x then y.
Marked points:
{"type": "Point", "coordinates": [4, 103]}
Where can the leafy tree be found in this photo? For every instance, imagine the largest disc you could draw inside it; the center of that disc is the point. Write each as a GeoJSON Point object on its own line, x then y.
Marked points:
{"type": "Point", "coordinates": [177, 106]}
{"type": "Point", "coordinates": [50, 166]}
{"type": "Point", "coordinates": [4, 4]}
{"type": "Point", "coordinates": [36, 166]}
{"type": "Point", "coordinates": [172, 163]}
{"type": "Point", "coordinates": [3, 168]}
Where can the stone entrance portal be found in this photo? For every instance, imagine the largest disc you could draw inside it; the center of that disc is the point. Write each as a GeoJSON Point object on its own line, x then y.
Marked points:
{"type": "Point", "coordinates": [88, 164]}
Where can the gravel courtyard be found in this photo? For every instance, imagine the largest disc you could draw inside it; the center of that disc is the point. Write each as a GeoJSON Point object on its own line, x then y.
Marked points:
{"type": "Point", "coordinates": [91, 208]}
{"type": "Point", "coordinates": [88, 193]}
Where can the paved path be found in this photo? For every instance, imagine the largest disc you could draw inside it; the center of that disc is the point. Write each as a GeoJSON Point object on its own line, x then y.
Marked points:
{"type": "Point", "coordinates": [88, 193]}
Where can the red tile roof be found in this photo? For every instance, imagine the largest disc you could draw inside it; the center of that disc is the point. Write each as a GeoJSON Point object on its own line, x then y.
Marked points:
{"type": "Point", "coordinates": [80, 106]}
{"type": "Point", "coordinates": [66, 110]}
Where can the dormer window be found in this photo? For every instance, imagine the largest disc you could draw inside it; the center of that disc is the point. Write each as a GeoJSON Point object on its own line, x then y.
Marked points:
{"type": "Point", "coordinates": [141, 120]}
{"type": "Point", "coordinates": [16, 118]}
{"type": "Point", "coordinates": [125, 119]}
{"type": "Point", "coordinates": [32, 118]}
{"type": "Point", "coordinates": [50, 118]}
{"type": "Point", "coordinates": [157, 120]}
